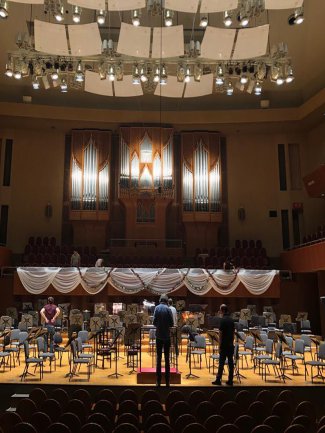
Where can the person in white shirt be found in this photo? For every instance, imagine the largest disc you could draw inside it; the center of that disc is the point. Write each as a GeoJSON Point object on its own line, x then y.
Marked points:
{"type": "Point", "coordinates": [173, 310]}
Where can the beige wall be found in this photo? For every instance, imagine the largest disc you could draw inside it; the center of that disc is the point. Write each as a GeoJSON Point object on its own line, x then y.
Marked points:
{"type": "Point", "coordinates": [36, 179]}
{"type": "Point", "coordinates": [253, 181]}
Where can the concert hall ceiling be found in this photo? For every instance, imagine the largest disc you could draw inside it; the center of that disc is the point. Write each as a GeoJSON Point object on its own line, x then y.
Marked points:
{"type": "Point", "coordinates": [306, 50]}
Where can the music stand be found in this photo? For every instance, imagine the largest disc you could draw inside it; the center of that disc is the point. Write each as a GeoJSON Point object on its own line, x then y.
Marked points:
{"type": "Point", "coordinates": [191, 337]}
{"type": "Point", "coordinates": [132, 334]}
{"type": "Point", "coordinates": [118, 332]}
{"type": "Point", "coordinates": [282, 339]}
{"type": "Point", "coordinates": [175, 339]}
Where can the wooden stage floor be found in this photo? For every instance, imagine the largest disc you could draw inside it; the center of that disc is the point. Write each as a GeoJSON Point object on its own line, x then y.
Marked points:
{"type": "Point", "coordinates": [100, 376]}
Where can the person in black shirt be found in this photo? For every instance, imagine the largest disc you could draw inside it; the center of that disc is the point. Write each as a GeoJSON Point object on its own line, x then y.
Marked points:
{"type": "Point", "coordinates": [163, 320]}
{"type": "Point", "coordinates": [226, 345]}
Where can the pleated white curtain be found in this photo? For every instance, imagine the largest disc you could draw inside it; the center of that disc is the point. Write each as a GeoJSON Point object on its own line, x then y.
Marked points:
{"type": "Point", "coordinates": [158, 281]}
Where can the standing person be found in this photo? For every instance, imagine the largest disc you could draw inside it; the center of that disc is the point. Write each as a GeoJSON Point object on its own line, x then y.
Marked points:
{"type": "Point", "coordinates": [75, 259]}
{"type": "Point", "coordinates": [226, 345]}
{"type": "Point", "coordinates": [173, 310]}
{"type": "Point", "coordinates": [163, 320]}
{"type": "Point", "coordinates": [49, 313]}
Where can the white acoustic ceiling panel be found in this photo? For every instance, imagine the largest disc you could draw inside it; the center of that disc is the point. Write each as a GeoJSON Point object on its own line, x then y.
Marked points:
{"type": "Point", "coordinates": [126, 88]}
{"type": "Point", "coordinates": [217, 43]}
{"type": "Point", "coordinates": [125, 5]}
{"type": "Point", "coordinates": [50, 38]}
{"type": "Point", "coordinates": [251, 42]}
{"type": "Point", "coordinates": [134, 41]}
{"type": "Point", "coordinates": [93, 84]}
{"type": "Point", "coordinates": [204, 87]}
{"type": "Point", "coordinates": [167, 42]}
{"type": "Point", "coordinates": [173, 89]}
{"type": "Point", "coordinates": [210, 6]}
{"type": "Point", "coordinates": [283, 4]}
{"type": "Point", "coordinates": [88, 4]}
{"type": "Point", "coordinates": [85, 40]}
{"type": "Point", "coordinates": [189, 6]}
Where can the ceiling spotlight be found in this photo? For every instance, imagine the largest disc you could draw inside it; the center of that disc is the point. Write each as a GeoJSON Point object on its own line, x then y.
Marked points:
{"type": "Point", "coordinates": [163, 76]}
{"type": "Point", "coordinates": [17, 74]}
{"type": "Point", "coordinates": [258, 88]}
{"type": "Point", "coordinates": [111, 73]}
{"type": "Point", "coordinates": [9, 71]}
{"type": "Point", "coordinates": [243, 75]}
{"type": "Point", "coordinates": [102, 71]}
{"type": "Point", "coordinates": [135, 17]}
{"type": "Point", "coordinates": [197, 72]}
{"type": "Point", "coordinates": [143, 74]}
{"type": "Point", "coordinates": [59, 13]}
{"type": "Point", "coordinates": [220, 77]}
{"type": "Point", "coordinates": [289, 74]}
{"type": "Point", "coordinates": [101, 15]}
{"type": "Point", "coordinates": [204, 20]}
{"type": "Point", "coordinates": [76, 14]}
{"type": "Point", "coordinates": [35, 83]}
{"type": "Point", "coordinates": [180, 73]}
{"type": "Point", "coordinates": [136, 76]}
{"type": "Point", "coordinates": [3, 9]}
{"type": "Point", "coordinates": [280, 80]}
{"type": "Point", "coordinates": [55, 75]}
{"type": "Point", "coordinates": [297, 17]}
{"type": "Point", "coordinates": [79, 76]}
{"type": "Point", "coordinates": [243, 19]}
{"type": "Point", "coordinates": [168, 17]}
{"type": "Point", "coordinates": [230, 89]}
{"type": "Point", "coordinates": [227, 20]}
{"type": "Point", "coordinates": [187, 77]}
{"type": "Point", "coordinates": [64, 86]}
{"type": "Point", "coordinates": [156, 76]}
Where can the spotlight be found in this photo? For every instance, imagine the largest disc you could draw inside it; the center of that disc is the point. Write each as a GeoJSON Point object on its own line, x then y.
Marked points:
{"type": "Point", "coordinates": [180, 73]}
{"type": "Point", "coordinates": [297, 17]}
{"type": "Point", "coordinates": [230, 89]}
{"type": "Point", "coordinates": [111, 73]}
{"type": "Point", "coordinates": [79, 76]}
{"type": "Point", "coordinates": [9, 71]}
{"type": "Point", "coordinates": [220, 77]}
{"type": "Point", "coordinates": [204, 21]}
{"type": "Point", "coordinates": [227, 20]}
{"type": "Point", "coordinates": [156, 76]}
{"type": "Point", "coordinates": [243, 76]}
{"type": "Point", "coordinates": [64, 86]}
{"type": "Point", "coordinates": [76, 14]}
{"type": "Point", "coordinates": [258, 88]}
{"type": "Point", "coordinates": [136, 76]}
{"type": "Point", "coordinates": [289, 74]}
{"type": "Point", "coordinates": [55, 75]}
{"type": "Point", "coordinates": [280, 80]}
{"type": "Point", "coordinates": [197, 72]}
{"type": "Point", "coordinates": [101, 15]}
{"type": "Point", "coordinates": [35, 83]}
{"type": "Point", "coordinates": [59, 14]}
{"type": "Point", "coordinates": [168, 17]}
{"type": "Point", "coordinates": [163, 76]}
{"type": "Point", "coordinates": [143, 75]}
{"type": "Point", "coordinates": [17, 74]}
{"type": "Point", "coordinates": [187, 77]}
{"type": "Point", "coordinates": [243, 19]}
{"type": "Point", "coordinates": [102, 71]}
{"type": "Point", "coordinates": [136, 18]}
{"type": "Point", "coordinates": [4, 9]}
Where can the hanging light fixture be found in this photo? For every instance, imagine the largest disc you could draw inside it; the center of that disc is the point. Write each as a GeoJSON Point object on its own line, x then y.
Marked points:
{"type": "Point", "coordinates": [35, 83]}
{"type": "Point", "coordinates": [297, 17]}
{"type": "Point", "coordinates": [187, 77]}
{"type": "Point", "coordinates": [168, 17]}
{"type": "Point", "coordinates": [243, 75]}
{"type": "Point", "coordinates": [76, 14]}
{"type": "Point", "coordinates": [55, 74]}
{"type": "Point", "coordinates": [59, 12]}
{"type": "Point", "coordinates": [102, 71]}
{"type": "Point", "coordinates": [258, 88]}
{"type": "Point", "coordinates": [143, 74]}
{"type": "Point", "coordinates": [111, 73]}
{"type": "Point", "coordinates": [227, 20]}
{"type": "Point", "coordinates": [9, 68]}
{"type": "Point", "coordinates": [289, 74]}
{"type": "Point", "coordinates": [163, 76]}
{"type": "Point", "coordinates": [79, 75]}
{"type": "Point", "coordinates": [230, 89]}
{"type": "Point", "coordinates": [156, 76]}
{"type": "Point", "coordinates": [4, 9]}
{"type": "Point", "coordinates": [135, 16]}
{"type": "Point", "coordinates": [220, 78]}
{"type": "Point", "coordinates": [101, 15]}
{"type": "Point", "coordinates": [197, 72]}
{"type": "Point", "coordinates": [136, 76]}
{"type": "Point", "coordinates": [204, 20]}
{"type": "Point", "coordinates": [64, 86]}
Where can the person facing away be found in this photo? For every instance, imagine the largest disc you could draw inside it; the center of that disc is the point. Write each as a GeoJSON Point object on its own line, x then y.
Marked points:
{"type": "Point", "coordinates": [173, 310]}
{"type": "Point", "coordinates": [75, 259]}
{"type": "Point", "coordinates": [163, 321]}
{"type": "Point", "coordinates": [49, 312]}
{"type": "Point", "coordinates": [226, 345]}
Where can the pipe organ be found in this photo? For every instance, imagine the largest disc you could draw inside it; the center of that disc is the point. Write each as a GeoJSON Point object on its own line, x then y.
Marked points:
{"type": "Point", "coordinates": [89, 188]}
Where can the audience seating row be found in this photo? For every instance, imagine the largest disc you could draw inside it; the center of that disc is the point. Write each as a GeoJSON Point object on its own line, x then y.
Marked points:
{"type": "Point", "coordinates": [269, 411]}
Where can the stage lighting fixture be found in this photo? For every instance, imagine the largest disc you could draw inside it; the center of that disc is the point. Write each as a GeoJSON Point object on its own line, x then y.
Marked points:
{"type": "Point", "coordinates": [54, 74]}
{"type": "Point", "coordinates": [79, 76]}
{"type": "Point", "coordinates": [227, 20]}
{"type": "Point", "coordinates": [197, 72]}
{"type": "Point", "coordinates": [156, 76]}
{"type": "Point", "coordinates": [204, 21]}
{"type": "Point", "coordinates": [9, 71]}
{"type": "Point", "coordinates": [143, 74]}
{"type": "Point", "coordinates": [59, 13]}
{"type": "Point", "coordinates": [136, 76]}
{"type": "Point", "coordinates": [4, 9]}
{"type": "Point", "coordinates": [101, 15]}
{"type": "Point", "coordinates": [163, 76]}
{"type": "Point", "coordinates": [111, 73]}
{"type": "Point", "coordinates": [243, 19]}
{"type": "Point", "coordinates": [168, 17]}
{"type": "Point", "coordinates": [35, 83]}
{"type": "Point", "coordinates": [76, 14]}
{"type": "Point", "coordinates": [230, 89]}
{"type": "Point", "coordinates": [135, 17]}
{"type": "Point", "coordinates": [297, 17]}
{"type": "Point", "coordinates": [258, 88]}
{"type": "Point", "coordinates": [187, 77]}
{"type": "Point", "coordinates": [220, 77]}
{"type": "Point", "coordinates": [64, 86]}
{"type": "Point", "coordinates": [289, 74]}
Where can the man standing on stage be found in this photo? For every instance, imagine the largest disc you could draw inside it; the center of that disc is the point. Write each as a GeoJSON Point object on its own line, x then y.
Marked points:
{"type": "Point", "coordinates": [49, 313]}
{"type": "Point", "coordinates": [163, 320]}
{"type": "Point", "coordinates": [226, 345]}
{"type": "Point", "coordinates": [173, 310]}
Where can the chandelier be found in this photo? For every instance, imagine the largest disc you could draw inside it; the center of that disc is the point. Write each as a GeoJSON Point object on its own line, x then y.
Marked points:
{"type": "Point", "coordinates": [65, 72]}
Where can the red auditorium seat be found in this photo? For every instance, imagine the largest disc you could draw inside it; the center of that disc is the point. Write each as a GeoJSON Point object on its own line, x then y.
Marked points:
{"type": "Point", "coordinates": [53, 241]}
{"type": "Point", "coordinates": [45, 241]}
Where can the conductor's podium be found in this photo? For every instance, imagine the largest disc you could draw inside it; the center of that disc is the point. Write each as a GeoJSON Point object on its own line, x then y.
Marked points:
{"type": "Point", "coordinates": [147, 375]}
